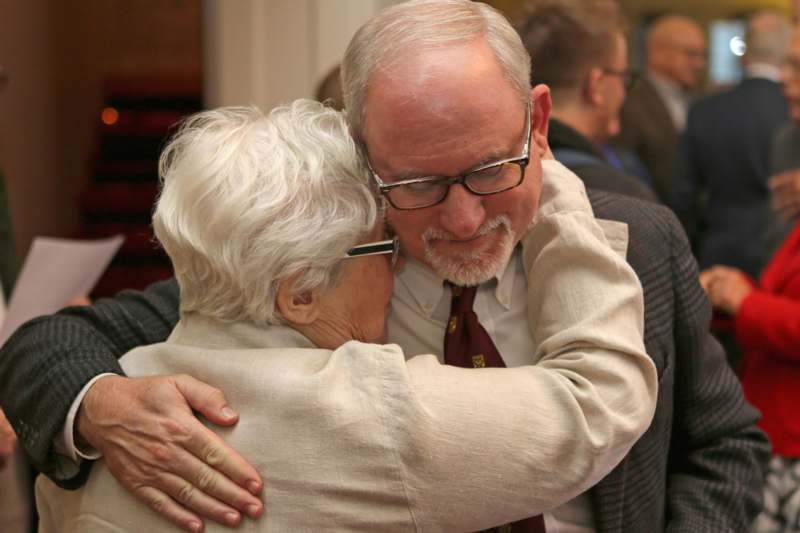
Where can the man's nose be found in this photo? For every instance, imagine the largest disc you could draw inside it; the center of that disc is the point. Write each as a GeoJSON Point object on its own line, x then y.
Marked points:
{"type": "Point", "coordinates": [462, 212]}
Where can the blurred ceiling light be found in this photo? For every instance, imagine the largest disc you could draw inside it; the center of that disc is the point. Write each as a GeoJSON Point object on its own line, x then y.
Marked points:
{"type": "Point", "coordinates": [109, 116]}
{"type": "Point", "coordinates": [738, 46]}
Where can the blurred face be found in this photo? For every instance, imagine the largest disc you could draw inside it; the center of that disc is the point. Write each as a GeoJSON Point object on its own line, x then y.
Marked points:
{"type": "Point", "coordinates": [683, 57]}
{"type": "Point", "coordinates": [614, 88]}
{"type": "Point", "coordinates": [357, 307]}
{"type": "Point", "coordinates": [791, 77]}
{"type": "Point", "coordinates": [443, 112]}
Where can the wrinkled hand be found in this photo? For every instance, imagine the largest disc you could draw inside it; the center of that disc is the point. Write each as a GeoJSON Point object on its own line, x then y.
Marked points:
{"type": "Point", "coordinates": [726, 287]}
{"type": "Point", "coordinates": [158, 450]}
{"type": "Point", "coordinates": [8, 440]}
{"type": "Point", "coordinates": [785, 188]}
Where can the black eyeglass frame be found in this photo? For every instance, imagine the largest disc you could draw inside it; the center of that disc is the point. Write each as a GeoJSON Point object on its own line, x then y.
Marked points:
{"type": "Point", "coordinates": [388, 246]}
{"type": "Point", "coordinates": [522, 161]}
{"type": "Point", "coordinates": [629, 76]}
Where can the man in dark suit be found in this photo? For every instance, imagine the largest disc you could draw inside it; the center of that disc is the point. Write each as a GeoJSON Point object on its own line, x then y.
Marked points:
{"type": "Point", "coordinates": [698, 467]}
{"type": "Point", "coordinates": [654, 113]}
{"type": "Point", "coordinates": [721, 194]}
{"type": "Point", "coordinates": [583, 58]}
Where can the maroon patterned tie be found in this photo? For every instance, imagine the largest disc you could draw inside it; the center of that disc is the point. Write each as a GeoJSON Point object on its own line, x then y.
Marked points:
{"type": "Point", "coordinates": [467, 344]}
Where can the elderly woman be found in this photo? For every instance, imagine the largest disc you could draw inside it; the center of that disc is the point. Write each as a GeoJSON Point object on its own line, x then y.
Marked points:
{"type": "Point", "coordinates": [286, 276]}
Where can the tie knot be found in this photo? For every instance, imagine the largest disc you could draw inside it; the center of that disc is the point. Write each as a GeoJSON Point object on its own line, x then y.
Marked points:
{"type": "Point", "coordinates": [463, 298]}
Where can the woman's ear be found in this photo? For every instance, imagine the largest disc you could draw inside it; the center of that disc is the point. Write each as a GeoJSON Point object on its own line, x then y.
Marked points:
{"type": "Point", "coordinates": [297, 307]}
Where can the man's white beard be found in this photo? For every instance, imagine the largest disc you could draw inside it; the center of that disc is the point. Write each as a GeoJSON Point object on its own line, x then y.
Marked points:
{"type": "Point", "coordinates": [476, 267]}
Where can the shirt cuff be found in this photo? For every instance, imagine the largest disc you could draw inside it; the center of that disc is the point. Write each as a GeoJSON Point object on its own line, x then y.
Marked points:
{"type": "Point", "coordinates": [65, 441]}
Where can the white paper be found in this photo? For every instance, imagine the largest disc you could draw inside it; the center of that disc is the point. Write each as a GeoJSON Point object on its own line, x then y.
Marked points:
{"type": "Point", "coordinates": [55, 272]}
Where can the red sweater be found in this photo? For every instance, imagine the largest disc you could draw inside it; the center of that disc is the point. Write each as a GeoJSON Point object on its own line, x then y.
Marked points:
{"type": "Point", "coordinates": [767, 328]}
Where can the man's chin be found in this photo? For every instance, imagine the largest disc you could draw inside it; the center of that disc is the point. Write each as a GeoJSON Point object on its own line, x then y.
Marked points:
{"type": "Point", "coordinates": [467, 269]}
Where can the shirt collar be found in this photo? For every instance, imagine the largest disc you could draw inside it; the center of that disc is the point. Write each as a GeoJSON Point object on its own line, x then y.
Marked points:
{"type": "Point", "coordinates": [763, 70]}
{"type": "Point", "coordinates": [666, 86]}
{"type": "Point", "coordinates": [428, 288]}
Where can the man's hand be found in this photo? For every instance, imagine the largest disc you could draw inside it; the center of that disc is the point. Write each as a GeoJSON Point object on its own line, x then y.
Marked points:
{"type": "Point", "coordinates": [158, 450]}
{"type": "Point", "coordinates": [726, 287]}
{"type": "Point", "coordinates": [785, 189]}
{"type": "Point", "coordinates": [8, 440]}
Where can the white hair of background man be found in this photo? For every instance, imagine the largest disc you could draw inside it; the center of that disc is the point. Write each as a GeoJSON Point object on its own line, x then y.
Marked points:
{"type": "Point", "coordinates": [249, 200]}
{"type": "Point", "coordinates": [767, 37]}
{"type": "Point", "coordinates": [420, 24]}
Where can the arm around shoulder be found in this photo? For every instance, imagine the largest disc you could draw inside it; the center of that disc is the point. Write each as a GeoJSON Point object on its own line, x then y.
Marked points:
{"type": "Point", "coordinates": [46, 363]}
{"type": "Point", "coordinates": [496, 445]}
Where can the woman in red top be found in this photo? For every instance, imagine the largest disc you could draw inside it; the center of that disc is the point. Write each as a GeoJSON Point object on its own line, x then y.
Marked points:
{"type": "Point", "coordinates": [766, 322]}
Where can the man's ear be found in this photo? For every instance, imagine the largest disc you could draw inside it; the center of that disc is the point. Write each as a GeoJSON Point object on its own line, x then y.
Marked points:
{"type": "Point", "coordinates": [541, 105]}
{"type": "Point", "coordinates": [591, 87]}
{"type": "Point", "coordinates": [297, 307]}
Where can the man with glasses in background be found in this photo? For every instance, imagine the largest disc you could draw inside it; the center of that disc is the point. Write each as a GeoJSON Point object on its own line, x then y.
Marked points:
{"type": "Point", "coordinates": [579, 50]}
{"type": "Point", "coordinates": [438, 94]}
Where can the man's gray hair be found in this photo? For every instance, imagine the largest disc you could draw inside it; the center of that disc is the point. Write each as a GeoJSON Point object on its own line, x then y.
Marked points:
{"type": "Point", "coordinates": [421, 24]}
{"type": "Point", "coordinates": [248, 201]}
{"type": "Point", "coordinates": [767, 38]}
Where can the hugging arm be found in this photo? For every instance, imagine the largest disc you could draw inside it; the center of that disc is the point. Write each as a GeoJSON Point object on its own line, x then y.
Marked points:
{"type": "Point", "coordinates": [49, 360]}
{"type": "Point", "coordinates": [496, 445]}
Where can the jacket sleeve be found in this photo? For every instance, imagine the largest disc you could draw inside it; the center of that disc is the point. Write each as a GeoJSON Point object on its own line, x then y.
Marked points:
{"type": "Point", "coordinates": [769, 323]}
{"type": "Point", "coordinates": [48, 360]}
{"type": "Point", "coordinates": [717, 455]}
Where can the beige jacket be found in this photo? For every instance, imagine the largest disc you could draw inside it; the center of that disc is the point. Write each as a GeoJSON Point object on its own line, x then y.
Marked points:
{"type": "Point", "coordinates": [359, 439]}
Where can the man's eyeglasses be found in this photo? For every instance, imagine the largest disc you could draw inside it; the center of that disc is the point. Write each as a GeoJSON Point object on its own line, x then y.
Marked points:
{"type": "Point", "coordinates": [629, 77]}
{"type": "Point", "coordinates": [389, 246]}
{"type": "Point", "coordinates": [492, 178]}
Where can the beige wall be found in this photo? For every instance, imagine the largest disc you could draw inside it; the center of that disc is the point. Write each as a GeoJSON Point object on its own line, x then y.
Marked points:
{"type": "Point", "coordinates": [58, 55]}
{"type": "Point", "coordinates": [265, 52]}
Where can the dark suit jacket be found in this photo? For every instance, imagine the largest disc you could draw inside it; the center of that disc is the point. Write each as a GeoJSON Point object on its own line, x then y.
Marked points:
{"type": "Point", "coordinates": [721, 194]}
{"type": "Point", "coordinates": [648, 131]}
{"type": "Point", "coordinates": [594, 170]}
{"type": "Point", "coordinates": [699, 467]}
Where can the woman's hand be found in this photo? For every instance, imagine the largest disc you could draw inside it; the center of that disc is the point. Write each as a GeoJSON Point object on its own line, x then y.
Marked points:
{"type": "Point", "coordinates": [726, 287]}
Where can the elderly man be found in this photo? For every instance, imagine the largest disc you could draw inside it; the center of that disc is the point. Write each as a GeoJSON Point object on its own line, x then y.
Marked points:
{"type": "Point", "coordinates": [580, 52]}
{"type": "Point", "coordinates": [433, 88]}
{"type": "Point", "coordinates": [721, 194]}
{"type": "Point", "coordinates": [654, 114]}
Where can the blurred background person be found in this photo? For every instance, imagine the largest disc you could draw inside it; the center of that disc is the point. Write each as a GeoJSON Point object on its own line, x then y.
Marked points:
{"type": "Point", "coordinates": [654, 113]}
{"type": "Point", "coordinates": [785, 156]}
{"type": "Point", "coordinates": [721, 193]}
{"type": "Point", "coordinates": [579, 50]}
{"type": "Point", "coordinates": [766, 320]}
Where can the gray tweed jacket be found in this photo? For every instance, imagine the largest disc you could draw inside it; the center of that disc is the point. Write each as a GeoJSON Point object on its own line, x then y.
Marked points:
{"type": "Point", "coordinates": [699, 468]}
